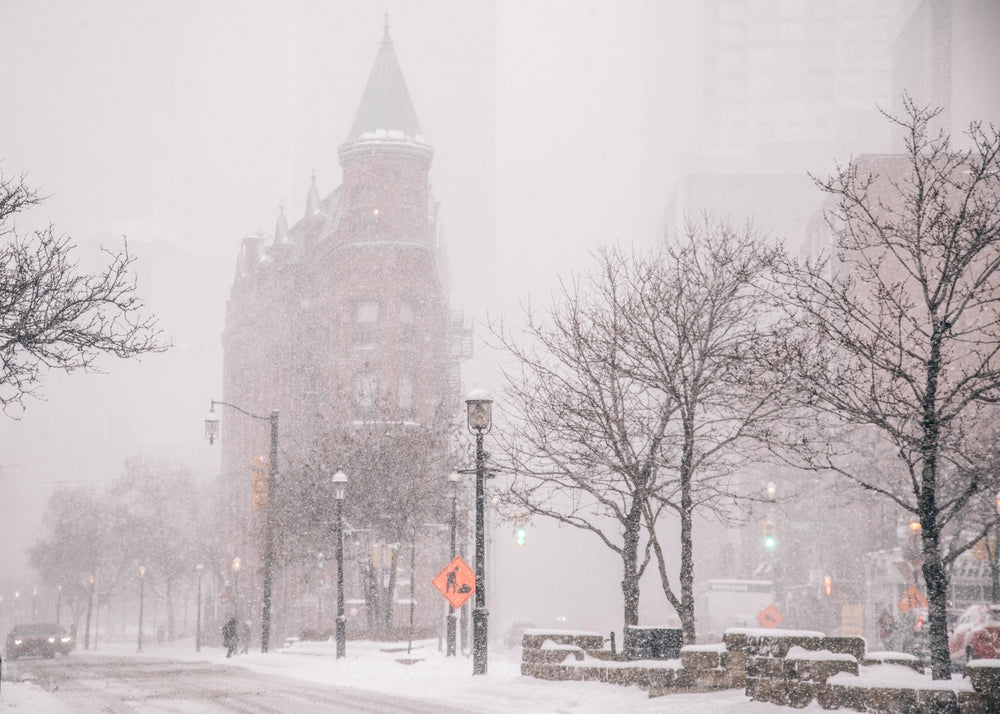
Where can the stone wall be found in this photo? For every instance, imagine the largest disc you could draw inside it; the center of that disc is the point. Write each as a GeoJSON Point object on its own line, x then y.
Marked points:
{"type": "Point", "coordinates": [786, 667]}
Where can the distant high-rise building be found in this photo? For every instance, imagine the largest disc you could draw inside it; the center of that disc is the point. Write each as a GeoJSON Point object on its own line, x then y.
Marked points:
{"type": "Point", "coordinates": [784, 89]}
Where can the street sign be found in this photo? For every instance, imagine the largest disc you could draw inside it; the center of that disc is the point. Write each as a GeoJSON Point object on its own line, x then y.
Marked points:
{"type": "Point", "coordinates": [456, 582]}
{"type": "Point", "coordinates": [911, 599]}
{"type": "Point", "coordinates": [770, 617]}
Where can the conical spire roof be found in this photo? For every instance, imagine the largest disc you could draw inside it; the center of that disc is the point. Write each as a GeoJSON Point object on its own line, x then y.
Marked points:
{"type": "Point", "coordinates": [312, 199]}
{"type": "Point", "coordinates": [386, 104]}
{"type": "Point", "coordinates": [281, 226]}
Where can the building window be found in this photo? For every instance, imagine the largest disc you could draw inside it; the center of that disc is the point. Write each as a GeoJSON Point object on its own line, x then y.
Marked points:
{"type": "Point", "coordinates": [364, 393]}
{"type": "Point", "coordinates": [406, 393]}
{"type": "Point", "coordinates": [364, 323]}
{"type": "Point", "coordinates": [407, 322]}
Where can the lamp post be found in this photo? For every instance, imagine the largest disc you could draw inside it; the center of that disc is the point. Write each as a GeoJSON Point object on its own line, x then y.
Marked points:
{"type": "Point", "coordinates": [237, 564]}
{"type": "Point", "coordinates": [480, 420]}
{"type": "Point", "coordinates": [339, 489]}
{"type": "Point", "coordinates": [212, 431]}
{"type": "Point", "coordinates": [58, 602]}
{"type": "Point", "coordinates": [454, 477]}
{"type": "Point", "coordinates": [142, 593]}
{"type": "Point", "coordinates": [199, 568]}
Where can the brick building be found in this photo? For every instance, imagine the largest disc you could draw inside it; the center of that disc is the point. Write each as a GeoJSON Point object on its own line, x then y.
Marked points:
{"type": "Point", "coordinates": [341, 323]}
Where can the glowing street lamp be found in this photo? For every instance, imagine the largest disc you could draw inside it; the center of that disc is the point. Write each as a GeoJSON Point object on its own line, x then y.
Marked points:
{"type": "Point", "coordinates": [339, 491]}
{"type": "Point", "coordinates": [142, 593]}
{"type": "Point", "coordinates": [479, 408]}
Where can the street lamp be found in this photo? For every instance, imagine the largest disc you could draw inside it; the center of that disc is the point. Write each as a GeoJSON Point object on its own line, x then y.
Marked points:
{"type": "Point", "coordinates": [237, 564]}
{"type": "Point", "coordinates": [454, 477]}
{"type": "Point", "coordinates": [58, 602]}
{"type": "Point", "coordinates": [211, 432]}
{"type": "Point", "coordinates": [199, 568]}
{"type": "Point", "coordinates": [142, 593]}
{"type": "Point", "coordinates": [339, 490]}
{"type": "Point", "coordinates": [480, 420]}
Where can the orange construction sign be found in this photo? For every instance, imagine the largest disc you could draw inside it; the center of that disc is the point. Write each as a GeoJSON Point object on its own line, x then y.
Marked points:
{"type": "Point", "coordinates": [770, 617]}
{"type": "Point", "coordinates": [456, 582]}
{"type": "Point", "coordinates": [911, 600]}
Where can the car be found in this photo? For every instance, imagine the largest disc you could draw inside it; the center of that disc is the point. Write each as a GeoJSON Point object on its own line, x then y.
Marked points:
{"type": "Point", "coordinates": [976, 634]}
{"type": "Point", "coordinates": [512, 638]}
{"type": "Point", "coordinates": [40, 639]}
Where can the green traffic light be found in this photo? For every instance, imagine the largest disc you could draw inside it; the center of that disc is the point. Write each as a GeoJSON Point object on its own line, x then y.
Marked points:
{"type": "Point", "coordinates": [520, 536]}
{"type": "Point", "coordinates": [769, 542]}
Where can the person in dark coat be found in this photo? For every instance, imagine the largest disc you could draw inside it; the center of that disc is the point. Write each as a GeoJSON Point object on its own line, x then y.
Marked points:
{"type": "Point", "coordinates": [230, 636]}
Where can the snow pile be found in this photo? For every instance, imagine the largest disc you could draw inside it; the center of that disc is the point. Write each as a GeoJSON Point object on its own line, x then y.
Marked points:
{"type": "Point", "coordinates": [800, 653]}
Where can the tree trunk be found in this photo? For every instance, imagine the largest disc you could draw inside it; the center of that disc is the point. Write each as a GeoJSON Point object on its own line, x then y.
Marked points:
{"type": "Point", "coordinates": [171, 620]}
{"type": "Point", "coordinates": [630, 559]}
{"type": "Point", "coordinates": [994, 565]}
{"type": "Point", "coordinates": [686, 611]}
{"type": "Point", "coordinates": [935, 577]}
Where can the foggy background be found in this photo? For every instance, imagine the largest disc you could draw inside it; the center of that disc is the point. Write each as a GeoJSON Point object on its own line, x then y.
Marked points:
{"type": "Point", "coordinates": [556, 126]}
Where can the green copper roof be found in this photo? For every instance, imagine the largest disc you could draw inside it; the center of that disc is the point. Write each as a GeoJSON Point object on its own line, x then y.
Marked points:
{"type": "Point", "coordinates": [386, 103]}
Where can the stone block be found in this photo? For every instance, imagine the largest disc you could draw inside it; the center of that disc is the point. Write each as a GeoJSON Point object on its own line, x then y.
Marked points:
{"type": "Point", "coordinates": [555, 655]}
{"type": "Point", "coordinates": [735, 641]}
{"type": "Point", "coordinates": [854, 646]}
{"type": "Point", "coordinates": [800, 694]}
{"type": "Point", "coordinates": [533, 639]}
{"type": "Point", "coordinates": [765, 667]}
{"type": "Point", "coordinates": [900, 658]}
{"type": "Point", "coordinates": [937, 701]}
{"type": "Point", "coordinates": [734, 659]}
{"type": "Point", "coordinates": [701, 659]}
{"type": "Point", "coordinates": [890, 700]}
{"type": "Point", "coordinates": [978, 702]}
{"type": "Point", "coordinates": [984, 675]}
{"type": "Point", "coordinates": [840, 697]}
{"type": "Point", "coordinates": [818, 670]}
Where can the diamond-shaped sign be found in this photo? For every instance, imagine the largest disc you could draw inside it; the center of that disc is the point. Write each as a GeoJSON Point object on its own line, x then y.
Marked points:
{"type": "Point", "coordinates": [770, 617]}
{"type": "Point", "coordinates": [456, 582]}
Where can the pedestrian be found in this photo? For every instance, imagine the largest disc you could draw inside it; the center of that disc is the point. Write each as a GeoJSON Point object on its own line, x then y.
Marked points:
{"type": "Point", "coordinates": [245, 636]}
{"type": "Point", "coordinates": [229, 636]}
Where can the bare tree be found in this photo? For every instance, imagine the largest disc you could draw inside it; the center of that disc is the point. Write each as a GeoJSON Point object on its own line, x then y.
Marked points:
{"type": "Point", "coordinates": [699, 312]}
{"type": "Point", "coordinates": [900, 328]}
{"type": "Point", "coordinates": [53, 315]}
{"type": "Point", "coordinates": [397, 471]}
{"type": "Point", "coordinates": [584, 446]}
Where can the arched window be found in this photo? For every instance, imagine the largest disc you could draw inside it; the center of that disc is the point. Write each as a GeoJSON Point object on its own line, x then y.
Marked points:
{"type": "Point", "coordinates": [364, 323]}
{"type": "Point", "coordinates": [407, 322]}
{"type": "Point", "coordinates": [364, 394]}
{"type": "Point", "coordinates": [407, 405]}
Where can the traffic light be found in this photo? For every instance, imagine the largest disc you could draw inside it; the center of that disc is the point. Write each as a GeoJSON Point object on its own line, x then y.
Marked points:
{"type": "Point", "coordinates": [827, 585]}
{"type": "Point", "coordinates": [770, 528]}
{"type": "Point", "coordinates": [520, 529]}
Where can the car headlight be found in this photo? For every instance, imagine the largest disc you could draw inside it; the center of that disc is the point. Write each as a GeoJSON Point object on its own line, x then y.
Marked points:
{"type": "Point", "coordinates": [18, 642]}
{"type": "Point", "coordinates": [67, 639]}
{"type": "Point", "coordinates": [52, 640]}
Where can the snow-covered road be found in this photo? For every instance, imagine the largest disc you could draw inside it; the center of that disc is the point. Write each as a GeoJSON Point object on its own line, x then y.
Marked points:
{"type": "Point", "coordinates": [307, 677]}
